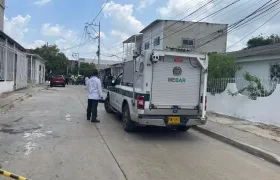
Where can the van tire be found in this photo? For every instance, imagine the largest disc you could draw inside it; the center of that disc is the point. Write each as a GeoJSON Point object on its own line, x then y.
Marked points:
{"type": "Point", "coordinates": [107, 105]}
{"type": "Point", "coordinates": [128, 124]}
{"type": "Point", "coordinates": [183, 128]}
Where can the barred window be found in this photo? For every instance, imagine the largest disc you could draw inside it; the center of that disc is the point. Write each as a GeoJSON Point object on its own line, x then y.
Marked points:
{"type": "Point", "coordinates": [157, 41]}
{"type": "Point", "coordinates": [147, 45]}
{"type": "Point", "coordinates": [188, 43]}
{"type": "Point", "coordinates": [2, 61]}
{"type": "Point", "coordinates": [275, 72]}
{"type": "Point", "coordinates": [10, 65]}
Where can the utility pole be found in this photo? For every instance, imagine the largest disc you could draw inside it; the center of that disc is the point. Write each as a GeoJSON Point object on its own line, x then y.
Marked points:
{"type": "Point", "coordinates": [76, 55]}
{"type": "Point", "coordinates": [99, 38]}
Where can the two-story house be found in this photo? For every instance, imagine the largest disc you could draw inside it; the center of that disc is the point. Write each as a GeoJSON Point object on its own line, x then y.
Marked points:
{"type": "Point", "coordinates": [195, 36]}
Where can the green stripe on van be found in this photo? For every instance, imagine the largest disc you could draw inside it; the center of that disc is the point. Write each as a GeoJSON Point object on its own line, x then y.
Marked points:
{"type": "Point", "coordinates": [129, 93]}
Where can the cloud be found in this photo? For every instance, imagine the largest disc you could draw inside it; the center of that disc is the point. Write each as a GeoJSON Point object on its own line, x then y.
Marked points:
{"type": "Point", "coordinates": [119, 35]}
{"type": "Point", "coordinates": [16, 27]}
{"type": "Point", "coordinates": [42, 2]}
{"type": "Point", "coordinates": [143, 4]}
{"type": "Point", "coordinates": [122, 18]}
{"type": "Point", "coordinates": [177, 7]}
{"type": "Point", "coordinates": [35, 44]}
{"type": "Point", "coordinates": [49, 30]}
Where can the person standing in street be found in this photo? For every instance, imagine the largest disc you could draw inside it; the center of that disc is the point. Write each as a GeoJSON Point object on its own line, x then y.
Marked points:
{"type": "Point", "coordinates": [94, 95]}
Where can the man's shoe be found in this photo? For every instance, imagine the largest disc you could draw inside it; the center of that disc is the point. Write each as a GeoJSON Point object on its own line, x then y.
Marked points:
{"type": "Point", "coordinates": [88, 119]}
{"type": "Point", "coordinates": [95, 121]}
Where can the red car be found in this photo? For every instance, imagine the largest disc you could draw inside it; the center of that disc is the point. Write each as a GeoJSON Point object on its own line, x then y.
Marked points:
{"type": "Point", "coordinates": [57, 80]}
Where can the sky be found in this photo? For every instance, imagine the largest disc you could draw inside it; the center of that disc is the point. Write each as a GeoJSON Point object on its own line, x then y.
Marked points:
{"type": "Point", "coordinates": [34, 23]}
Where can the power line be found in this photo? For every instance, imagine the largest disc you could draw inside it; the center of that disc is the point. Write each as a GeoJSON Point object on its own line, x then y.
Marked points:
{"type": "Point", "coordinates": [254, 30]}
{"type": "Point", "coordinates": [221, 9]}
{"type": "Point", "coordinates": [264, 8]}
{"type": "Point", "coordinates": [15, 22]}
{"type": "Point", "coordinates": [100, 11]}
{"type": "Point", "coordinates": [193, 7]}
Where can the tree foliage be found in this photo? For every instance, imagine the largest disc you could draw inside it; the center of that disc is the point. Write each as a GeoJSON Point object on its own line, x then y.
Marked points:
{"type": "Point", "coordinates": [56, 61]}
{"type": "Point", "coordinates": [86, 69]}
{"type": "Point", "coordinates": [222, 66]}
{"type": "Point", "coordinates": [262, 41]}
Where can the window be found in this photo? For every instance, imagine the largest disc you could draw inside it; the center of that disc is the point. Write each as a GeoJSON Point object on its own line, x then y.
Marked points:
{"type": "Point", "coordinates": [118, 80]}
{"type": "Point", "coordinates": [275, 72]}
{"type": "Point", "coordinates": [157, 41]}
{"type": "Point", "coordinates": [188, 43]}
{"type": "Point", "coordinates": [147, 45]}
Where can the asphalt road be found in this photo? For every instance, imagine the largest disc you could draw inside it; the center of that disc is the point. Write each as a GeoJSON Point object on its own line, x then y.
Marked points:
{"type": "Point", "coordinates": [47, 137]}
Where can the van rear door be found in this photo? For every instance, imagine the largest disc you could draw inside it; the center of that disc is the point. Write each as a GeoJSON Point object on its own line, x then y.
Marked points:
{"type": "Point", "coordinates": [176, 82]}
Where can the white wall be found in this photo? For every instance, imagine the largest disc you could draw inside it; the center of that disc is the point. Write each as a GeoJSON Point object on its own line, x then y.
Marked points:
{"type": "Point", "coordinates": [6, 86]}
{"type": "Point", "coordinates": [264, 109]}
{"type": "Point", "coordinates": [150, 34]}
{"type": "Point", "coordinates": [39, 74]}
{"type": "Point", "coordinates": [259, 68]}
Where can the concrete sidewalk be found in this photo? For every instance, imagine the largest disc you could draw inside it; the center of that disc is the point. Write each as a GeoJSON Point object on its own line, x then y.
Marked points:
{"type": "Point", "coordinates": [9, 100]}
{"type": "Point", "coordinates": [255, 138]}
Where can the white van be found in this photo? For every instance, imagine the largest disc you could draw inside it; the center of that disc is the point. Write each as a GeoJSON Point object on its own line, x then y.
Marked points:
{"type": "Point", "coordinates": [161, 88]}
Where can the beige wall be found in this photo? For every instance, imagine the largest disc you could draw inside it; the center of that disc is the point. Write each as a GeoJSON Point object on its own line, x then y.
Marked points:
{"type": "Point", "coordinates": [2, 4]}
{"type": "Point", "coordinates": [195, 31]}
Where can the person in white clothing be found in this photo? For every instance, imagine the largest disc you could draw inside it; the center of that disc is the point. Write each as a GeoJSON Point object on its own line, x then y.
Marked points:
{"type": "Point", "coordinates": [86, 80]}
{"type": "Point", "coordinates": [94, 95]}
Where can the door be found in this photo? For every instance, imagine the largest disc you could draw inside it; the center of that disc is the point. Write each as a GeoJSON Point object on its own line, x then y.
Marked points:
{"type": "Point", "coordinates": [176, 82]}
{"type": "Point", "coordinates": [15, 72]}
{"type": "Point", "coordinates": [116, 93]}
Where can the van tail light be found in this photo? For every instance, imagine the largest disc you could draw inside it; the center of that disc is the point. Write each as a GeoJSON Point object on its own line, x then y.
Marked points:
{"type": "Point", "coordinates": [205, 107]}
{"type": "Point", "coordinates": [140, 102]}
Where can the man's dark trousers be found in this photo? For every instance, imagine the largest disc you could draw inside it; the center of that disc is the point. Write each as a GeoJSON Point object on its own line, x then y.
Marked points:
{"type": "Point", "coordinates": [92, 109]}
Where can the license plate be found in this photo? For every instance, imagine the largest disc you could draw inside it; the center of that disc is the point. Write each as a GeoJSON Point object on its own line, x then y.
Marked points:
{"type": "Point", "coordinates": [174, 120]}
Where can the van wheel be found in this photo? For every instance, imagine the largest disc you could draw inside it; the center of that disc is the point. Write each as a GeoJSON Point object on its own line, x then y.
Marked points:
{"type": "Point", "coordinates": [128, 124]}
{"type": "Point", "coordinates": [107, 106]}
{"type": "Point", "coordinates": [183, 128]}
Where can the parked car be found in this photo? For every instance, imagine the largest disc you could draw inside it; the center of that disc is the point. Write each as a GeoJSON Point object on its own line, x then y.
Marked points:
{"type": "Point", "coordinates": [57, 80]}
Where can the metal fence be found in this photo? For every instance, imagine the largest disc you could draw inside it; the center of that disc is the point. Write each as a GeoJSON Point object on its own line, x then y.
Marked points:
{"type": "Point", "coordinates": [216, 86]}
{"type": "Point", "coordinates": [2, 61]}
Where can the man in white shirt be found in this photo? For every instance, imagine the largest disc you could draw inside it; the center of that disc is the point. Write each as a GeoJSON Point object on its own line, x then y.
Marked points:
{"type": "Point", "coordinates": [94, 94]}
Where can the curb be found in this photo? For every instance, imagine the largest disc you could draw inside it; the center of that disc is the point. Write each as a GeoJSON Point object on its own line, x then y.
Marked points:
{"type": "Point", "coordinates": [258, 152]}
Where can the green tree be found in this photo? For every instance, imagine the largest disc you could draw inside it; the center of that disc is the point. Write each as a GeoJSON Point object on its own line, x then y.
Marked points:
{"type": "Point", "coordinates": [86, 69]}
{"type": "Point", "coordinates": [262, 41]}
{"type": "Point", "coordinates": [56, 61]}
{"type": "Point", "coordinates": [222, 66]}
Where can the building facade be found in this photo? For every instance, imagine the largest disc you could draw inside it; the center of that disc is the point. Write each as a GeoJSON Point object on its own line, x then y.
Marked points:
{"type": "Point", "coordinates": [195, 36]}
{"type": "Point", "coordinates": [14, 66]}
{"type": "Point", "coordinates": [262, 62]}
{"type": "Point", "coordinates": [36, 69]}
